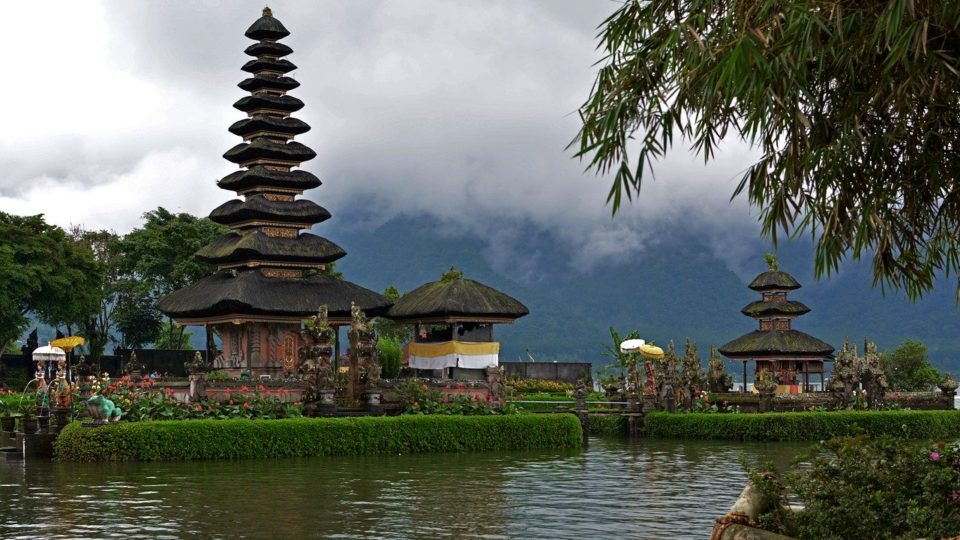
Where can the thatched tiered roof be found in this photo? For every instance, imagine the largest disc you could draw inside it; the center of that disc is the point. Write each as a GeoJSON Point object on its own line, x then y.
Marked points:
{"type": "Point", "coordinates": [267, 265]}
{"type": "Point", "coordinates": [776, 338]}
{"type": "Point", "coordinates": [455, 298]}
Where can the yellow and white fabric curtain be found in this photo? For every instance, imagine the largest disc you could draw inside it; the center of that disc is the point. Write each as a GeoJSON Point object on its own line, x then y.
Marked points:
{"type": "Point", "coordinates": [453, 354]}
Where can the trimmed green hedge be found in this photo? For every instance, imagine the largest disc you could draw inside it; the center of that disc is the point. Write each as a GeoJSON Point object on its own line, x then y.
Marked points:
{"type": "Point", "coordinates": [239, 439]}
{"type": "Point", "coordinates": [803, 426]}
{"type": "Point", "coordinates": [608, 425]}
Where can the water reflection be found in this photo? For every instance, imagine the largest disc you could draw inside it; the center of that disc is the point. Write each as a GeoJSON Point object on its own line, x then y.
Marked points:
{"type": "Point", "coordinates": [649, 489]}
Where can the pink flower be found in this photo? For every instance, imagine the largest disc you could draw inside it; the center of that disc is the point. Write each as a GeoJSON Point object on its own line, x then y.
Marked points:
{"type": "Point", "coordinates": [244, 389]}
{"type": "Point", "coordinates": [934, 456]}
{"type": "Point", "coordinates": [246, 405]}
{"type": "Point", "coordinates": [954, 495]}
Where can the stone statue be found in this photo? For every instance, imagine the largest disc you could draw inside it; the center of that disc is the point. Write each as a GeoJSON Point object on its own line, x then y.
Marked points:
{"type": "Point", "coordinates": [134, 368]}
{"type": "Point", "coordinates": [103, 410]}
{"type": "Point", "coordinates": [314, 364]}
{"type": "Point", "coordinates": [717, 377]}
{"type": "Point", "coordinates": [197, 370]}
{"type": "Point", "coordinates": [197, 365]}
{"type": "Point", "coordinates": [83, 368]}
{"type": "Point", "coordinates": [873, 377]}
{"type": "Point", "coordinates": [580, 394]}
{"type": "Point", "coordinates": [497, 390]}
{"type": "Point", "coordinates": [948, 386]}
{"type": "Point", "coordinates": [360, 323]}
{"type": "Point", "coordinates": [846, 369]}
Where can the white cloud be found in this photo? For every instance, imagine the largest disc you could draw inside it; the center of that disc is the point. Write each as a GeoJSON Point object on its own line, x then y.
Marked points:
{"type": "Point", "coordinates": [461, 111]}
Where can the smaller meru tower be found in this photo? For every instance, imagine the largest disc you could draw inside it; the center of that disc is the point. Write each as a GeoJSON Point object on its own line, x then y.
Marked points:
{"type": "Point", "coordinates": [776, 347]}
{"type": "Point", "coordinates": [270, 272]}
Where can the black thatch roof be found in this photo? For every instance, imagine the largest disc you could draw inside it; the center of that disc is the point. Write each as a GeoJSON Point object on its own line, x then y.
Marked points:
{"type": "Point", "coordinates": [456, 297]}
{"type": "Point", "coordinates": [287, 124]}
{"type": "Point", "coordinates": [266, 101]}
{"type": "Point", "coordinates": [262, 82]}
{"type": "Point", "coordinates": [774, 280]}
{"type": "Point", "coordinates": [268, 48]}
{"type": "Point", "coordinates": [251, 293]}
{"type": "Point", "coordinates": [785, 307]}
{"type": "Point", "coordinates": [258, 207]}
{"type": "Point", "coordinates": [262, 148]}
{"type": "Point", "coordinates": [259, 175]}
{"type": "Point", "coordinates": [759, 343]}
{"type": "Point", "coordinates": [281, 65]}
{"type": "Point", "coordinates": [266, 27]}
{"type": "Point", "coordinates": [236, 246]}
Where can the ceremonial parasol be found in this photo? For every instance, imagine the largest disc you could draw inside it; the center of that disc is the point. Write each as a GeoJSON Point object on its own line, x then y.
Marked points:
{"type": "Point", "coordinates": [651, 351]}
{"type": "Point", "coordinates": [68, 343]}
{"type": "Point", "coordinates": [631, 345]}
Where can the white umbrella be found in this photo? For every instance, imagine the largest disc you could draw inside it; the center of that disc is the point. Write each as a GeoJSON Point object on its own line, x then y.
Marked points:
{"type": "Point", "coordinates": [48, 353]}
{"type": "Point", "coordinates": [631, 345]}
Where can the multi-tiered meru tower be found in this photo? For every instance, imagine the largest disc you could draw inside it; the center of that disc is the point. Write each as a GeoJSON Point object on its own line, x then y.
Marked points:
{"type": "Point", "coordinates": [776, 347]}
{"type": "Point", "coordinates": [270, 274]}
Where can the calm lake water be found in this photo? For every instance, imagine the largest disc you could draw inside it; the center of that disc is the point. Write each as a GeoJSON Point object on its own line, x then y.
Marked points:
{"type": "Point", "coordinates": [613, 489]}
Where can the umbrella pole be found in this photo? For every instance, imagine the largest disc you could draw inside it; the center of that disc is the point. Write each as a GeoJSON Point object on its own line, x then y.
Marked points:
{"type": "Point", "coordinates": [744, 387]}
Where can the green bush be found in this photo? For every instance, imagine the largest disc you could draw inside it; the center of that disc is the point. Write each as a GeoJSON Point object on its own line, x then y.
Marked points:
{"type": "Point", "coordinates": [238, 439]}
{"type": "Point", "coordinates": [608, 425]}
{"type": "Point", "coordinates": [803, 426]}
{"type": "Point", "coordinates": [863, 487]}
{"type": "Point", "coordinates": [528, 386]}
{"type": "Point", "coordinates": [390, 353]}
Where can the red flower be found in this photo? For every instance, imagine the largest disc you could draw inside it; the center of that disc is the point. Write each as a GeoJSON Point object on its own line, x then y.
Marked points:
{"type": "Point", "coordinates": [246, 405]}
{"type": "Point", "coordinates": [244, 389]}
{"type": "Point", "coordinates": [261, 388]}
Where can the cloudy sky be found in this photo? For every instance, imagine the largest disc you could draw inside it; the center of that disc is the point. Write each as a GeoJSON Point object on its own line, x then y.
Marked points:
{"type": "Point", "coordinates": [458, 110]}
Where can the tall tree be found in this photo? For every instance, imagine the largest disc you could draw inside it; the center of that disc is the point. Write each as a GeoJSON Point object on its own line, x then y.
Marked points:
{"type": "Point", "coordinates": [42, 271]}
{"type": "Point", "coordinates": [105, 247]}
{"type": "Point", "coordinates": [160, 254]}
{"type": "Point", "coordinates": [908, 367]}
{"type": "Point", "coordinates": [853, 106]}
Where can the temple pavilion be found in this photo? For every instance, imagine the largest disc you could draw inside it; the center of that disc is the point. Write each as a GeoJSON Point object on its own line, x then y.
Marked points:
{"type": "Point", "coordinates": [270, 274]}
{"type": "Point", "coordinates": [776, 347]}
{"type": "Point", "coordinates": [454, 320]}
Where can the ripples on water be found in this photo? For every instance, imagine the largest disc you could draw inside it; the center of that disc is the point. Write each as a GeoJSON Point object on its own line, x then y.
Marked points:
{"type": "Point", "coordinates": [614, 489]}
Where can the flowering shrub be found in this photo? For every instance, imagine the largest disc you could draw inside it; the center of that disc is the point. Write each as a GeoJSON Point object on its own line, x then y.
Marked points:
{"type": "Point", "coordinates": [418, 398]}
{"type": "Point", "coordinates": [706, 403]}
{"type": "Point", "coordinates": [142, 401]}
{"type": "Point", "coordinates": [858, 487]}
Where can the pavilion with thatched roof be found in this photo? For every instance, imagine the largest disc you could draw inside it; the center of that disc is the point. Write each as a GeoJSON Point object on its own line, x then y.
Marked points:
{"type": "Point", "coordinates": [454, 320]}
{"type": "Point", "coordinates": [776, 347]}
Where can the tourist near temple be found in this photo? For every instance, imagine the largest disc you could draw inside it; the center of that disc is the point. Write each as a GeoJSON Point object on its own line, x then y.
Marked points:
{"type": "Point", "coordinates": [776, 347]}
{"type": "Point", "coordinates": [454, 320]}
{"type": "Point", "coordinates": [270, 273]}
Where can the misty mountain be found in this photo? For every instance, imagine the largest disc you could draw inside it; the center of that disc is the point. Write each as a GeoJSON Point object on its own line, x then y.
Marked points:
{"type": "Point", "coordinates": [676, 288]}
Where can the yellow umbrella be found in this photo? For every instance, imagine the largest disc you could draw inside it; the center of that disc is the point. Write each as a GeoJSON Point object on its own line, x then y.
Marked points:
{"type": "Point", "coordinates": [68, 343]}
{"type": "Point", "coordinates": [650, 351]}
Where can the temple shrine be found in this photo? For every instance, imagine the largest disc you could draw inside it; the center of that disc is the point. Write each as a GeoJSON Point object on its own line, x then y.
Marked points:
{"type": "Point", "coordinates": [271, 274]}
{"type": "Point", "coordinates": [454, 320]}
{"type": "Point", "coordinates": [776, 347]}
